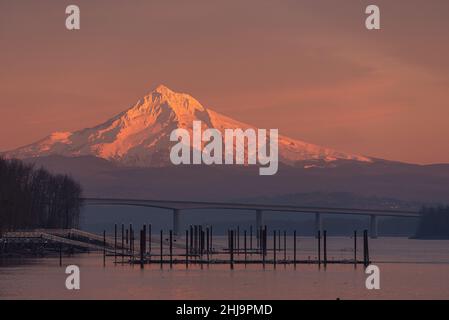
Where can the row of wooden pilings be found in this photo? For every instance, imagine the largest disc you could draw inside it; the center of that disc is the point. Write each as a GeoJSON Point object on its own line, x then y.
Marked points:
{"type": "Point", "coordinates": [199, 247]}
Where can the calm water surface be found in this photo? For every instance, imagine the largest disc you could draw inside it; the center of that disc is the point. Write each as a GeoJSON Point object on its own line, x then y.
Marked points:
{"type": "Point", "coordinates": [410, 269]}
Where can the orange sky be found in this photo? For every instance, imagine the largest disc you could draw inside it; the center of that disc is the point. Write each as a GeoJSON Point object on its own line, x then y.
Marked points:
{"type": "Point", "coordinates": [309, 68]}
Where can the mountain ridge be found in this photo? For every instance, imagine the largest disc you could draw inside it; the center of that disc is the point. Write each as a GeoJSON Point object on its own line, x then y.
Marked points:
{"type": "Point", "coordinates": [103, 178]}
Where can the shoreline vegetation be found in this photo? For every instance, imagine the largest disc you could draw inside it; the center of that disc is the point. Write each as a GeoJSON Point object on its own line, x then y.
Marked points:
{"type": "Point", "coordinates": [434, 224]}
{"type": "Point", "coordinates": [32, 198]}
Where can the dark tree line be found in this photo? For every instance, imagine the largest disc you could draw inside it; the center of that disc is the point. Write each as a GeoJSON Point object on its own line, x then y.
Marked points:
{"type": "Point", "coordinates": [434, 223]}
{"type": "Point", "coordinates": [34, 198]}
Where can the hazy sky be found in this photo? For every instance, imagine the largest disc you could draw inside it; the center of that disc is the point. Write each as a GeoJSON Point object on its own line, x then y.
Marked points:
{"type": "Point", "coordinates": [309, 68]}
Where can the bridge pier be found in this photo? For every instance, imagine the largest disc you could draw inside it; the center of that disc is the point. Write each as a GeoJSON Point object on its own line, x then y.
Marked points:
{"type": "Point", "coordinates": [373, 226]}
{"type": "Point", "coordinates": [176, 221]}
{"type": "Point", "coordinates": [318, 224]}
{"type": "Point", "coordinates": [259, 219]}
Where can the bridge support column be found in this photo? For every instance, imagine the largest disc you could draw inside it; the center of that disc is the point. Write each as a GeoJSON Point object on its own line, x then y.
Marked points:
{"type": "Point", "coordinates": [373, 226]}
{"type": "Point", "coordinates": [318, 224]}
{"type": "Point", "coordinates": [176, 221]}
{"type": "Point", "coordinates": [259, 219]}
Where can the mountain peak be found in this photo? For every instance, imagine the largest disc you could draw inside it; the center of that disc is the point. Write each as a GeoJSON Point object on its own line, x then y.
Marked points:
{"type": "Point", "coordinates": [139, 136]}
{"type": "Point", "coordinates": [163, 98]}
{"type": "Point", "coordinates": [163, 89]}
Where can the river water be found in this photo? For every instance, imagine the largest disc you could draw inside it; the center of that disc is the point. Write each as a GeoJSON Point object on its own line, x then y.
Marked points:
{"type": "Point", "coordinates": [409, 269]}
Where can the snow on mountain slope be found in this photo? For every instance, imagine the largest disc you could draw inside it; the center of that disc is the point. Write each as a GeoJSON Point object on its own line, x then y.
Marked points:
{"type": "Point", "coordinates": [140, 136]}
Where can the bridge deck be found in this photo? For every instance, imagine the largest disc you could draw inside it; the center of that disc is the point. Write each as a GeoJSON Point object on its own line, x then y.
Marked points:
{"type": "Point", "coordinates": [190, 205]}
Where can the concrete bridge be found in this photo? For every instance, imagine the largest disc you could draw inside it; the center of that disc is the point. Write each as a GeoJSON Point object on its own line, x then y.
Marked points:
{"type": "Point", "coordinates": [177, 206]}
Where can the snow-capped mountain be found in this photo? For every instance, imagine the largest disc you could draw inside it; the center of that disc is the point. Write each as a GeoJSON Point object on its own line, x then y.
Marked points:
{"type": "Point", "coordinates": [140, 136]}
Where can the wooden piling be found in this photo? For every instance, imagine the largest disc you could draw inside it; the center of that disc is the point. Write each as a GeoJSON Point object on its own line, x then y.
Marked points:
{"type": "Point", "coordinates": [244, 245]}
{"type": "Point", "coordinates": [187, 249]}
{"type": "Point", "coordinates": [142, 247]}
{"type": "Point", "coordinates": [203, 241]}
{"type": "Point", "coordinates": [60, 254]}
{"type": "Point", "coordinates": [279, 240]}
{"type": "Point", "coordinates": [285, 245]}
{"type": "Point", "coordinates": [261, 239]}
{"type": "Point", "coordinates": [364, 248]}
{"type": "Point", "coordinates": [191, 239]}
{"type": "Point", "coordinates": [325, 247]}
{"type": "Point", "coordinates": [104, 248]}
{"type": "Point", "coordinates": [211, 247]}
{"type": "Point", "coordinates": [171, 249]}
{"type": "Point", "coordinates": [132, 244]}
{"type": "Point", "coordinates": [144, 235]}
{"type": "Point", "coordinates": [162, 249]}
{"type": "Point", "coordinates": [207, 244]}
{"type": "Point", "coordinates": [274, 248]}
{"type": "Point", "coordinates": [201, 244]}
{"type": "Point", "coordinates": [210, 242]}
{"type": "Point", "coordinates": [130, 237]}
{"type": "Point", "coordinates": [238, 240]}
{"type": "Point", "coordinates": [232, 249]}
{"type": "Point", "coordinates": [355, 248]}
{"type": "Point", "coordinates": [115, 243]}
{"type": "Point", "coordinates": [195, 240]}
{"type": "Point", "coordinates": [149, 241]}
{"type": "Point", "coordinates": [127, 238]}
{"type": "Point", "coordinates": [294, 248]}
{"type": "Point", "coordinates": [366, 260]}
{"type": "Point", "coordinates": [123, 242]}
{"type": "Point", "coordinates": [264, 246]}
{"type": "Point", "coordinates": [199, 238]}
{"type": "Point", "coordinates": [200, 241]}
{"type": "Point", "coordinates": [319, 248]}
{"type": "Point", "coordinates": [257, 238]}
{"type": "Point", "coordinates": [264, 241]}
{"type": "Point", "coordinates": [229, 243]}
{"type": "Point", "coordinates": [251, 238]}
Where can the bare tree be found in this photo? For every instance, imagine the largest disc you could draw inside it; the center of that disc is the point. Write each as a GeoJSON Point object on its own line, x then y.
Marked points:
{"type": "Point", "coordinates": [31, 198]}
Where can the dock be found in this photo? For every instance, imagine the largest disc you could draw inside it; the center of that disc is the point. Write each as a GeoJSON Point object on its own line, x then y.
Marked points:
{"type": "Point", "coordinates": [198, 246]}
